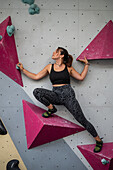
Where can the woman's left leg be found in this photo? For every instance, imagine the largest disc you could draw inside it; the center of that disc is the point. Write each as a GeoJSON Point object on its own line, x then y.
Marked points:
{"type": "Point", "coordinates": [75, 109]}
{"type": "Point", "coordinates": [73, 106]}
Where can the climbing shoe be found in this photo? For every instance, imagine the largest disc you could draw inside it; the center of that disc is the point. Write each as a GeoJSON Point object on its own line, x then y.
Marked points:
{"type": "Point", "coordinates": [49, 112]}
{"type": "Point", "coordinates": [98, 146]}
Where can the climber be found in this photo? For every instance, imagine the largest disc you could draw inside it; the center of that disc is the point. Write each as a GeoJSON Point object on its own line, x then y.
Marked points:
{"type": "Point", "coordinates": [62, 92]}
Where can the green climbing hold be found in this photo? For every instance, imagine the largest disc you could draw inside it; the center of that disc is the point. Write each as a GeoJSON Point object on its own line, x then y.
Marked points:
{"type": "Point", "coordinates": [34, 9]}
{"type": "Point", "coordinates": [28, 1]}
{"type": "Point", "coordinates": [0, 37]}
{"type": "Point", "coordinates": [10, 30]}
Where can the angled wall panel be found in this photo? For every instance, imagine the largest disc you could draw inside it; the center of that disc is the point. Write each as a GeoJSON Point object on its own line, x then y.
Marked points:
{"type": "Point", "coordinates": [101, 46]}
{"type": "Point", "coordinates": [9, 152]}
{"type": "Point", "coordinates": [8, 53]}
{"type": "Point", "coordinates": [40, 130]}
{"type": "Point", "coordinates": [95, 159]}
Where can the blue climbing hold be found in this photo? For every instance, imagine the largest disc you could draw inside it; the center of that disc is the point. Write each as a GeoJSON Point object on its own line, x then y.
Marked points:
{"type": "Point", "coordinates": [104, 161]}
{"type": "Point", "coordinates": [10, 30]}
{"type": "Point", "coordinates": [34, 9]}
{"type": "Point", "coordinates": [28, 1]}
{"type": "Point", "coordinates": [18, 68]}
{"type": "Point", "coordinates": [0, 37]}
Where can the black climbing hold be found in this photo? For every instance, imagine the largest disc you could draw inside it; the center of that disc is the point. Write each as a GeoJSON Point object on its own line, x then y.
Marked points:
{"type": "Point", "coordinates": [3, 130]}
{"type": "Point", "coordinates": [13, 165]}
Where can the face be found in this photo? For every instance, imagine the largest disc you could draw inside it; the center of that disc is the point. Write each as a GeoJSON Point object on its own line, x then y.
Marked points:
{"type": "Point", "coordinates": [57, 54]}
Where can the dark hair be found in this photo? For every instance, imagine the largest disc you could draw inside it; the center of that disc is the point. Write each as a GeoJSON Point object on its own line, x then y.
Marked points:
{"type": "Point", "coordinates": [68, 59]}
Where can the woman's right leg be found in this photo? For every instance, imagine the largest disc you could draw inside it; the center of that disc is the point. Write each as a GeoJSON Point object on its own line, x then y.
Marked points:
{"type": "Point", "coordinates": [47, 97]}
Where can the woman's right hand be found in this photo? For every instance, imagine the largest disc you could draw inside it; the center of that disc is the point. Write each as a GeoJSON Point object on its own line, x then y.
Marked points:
{"type": "Point", "coordinates": [20, 65]}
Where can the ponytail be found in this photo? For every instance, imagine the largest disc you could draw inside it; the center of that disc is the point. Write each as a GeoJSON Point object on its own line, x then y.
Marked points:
{"type": "Point", "coordinates": [69, 60]}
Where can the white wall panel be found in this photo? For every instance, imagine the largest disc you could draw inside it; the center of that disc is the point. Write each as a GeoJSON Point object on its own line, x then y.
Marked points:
{"type": "Point", "coordinates": [72, 24]}
{"type": "Point", "coordinates": [96, 5]}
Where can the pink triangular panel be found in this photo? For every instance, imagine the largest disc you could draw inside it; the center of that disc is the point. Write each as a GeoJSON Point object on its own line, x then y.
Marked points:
{"type": "Point", "coordinates": [101, 47]}
{"type": "Point", "coordinates": [40, 130]}
{"type": "Point", "coordinates": [94, 159]}
{"type": "Point", "coordinates": [8, 53]}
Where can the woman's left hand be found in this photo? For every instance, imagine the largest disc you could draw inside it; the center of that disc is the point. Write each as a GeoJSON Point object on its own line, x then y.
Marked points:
{"type": "Point", "coordinates": [84, 60]}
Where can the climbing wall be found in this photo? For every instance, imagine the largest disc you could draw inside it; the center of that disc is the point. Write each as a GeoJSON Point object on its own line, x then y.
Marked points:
{"type": "Point", "coordinates": [72, 24]}
{"type": "Point", "coordinates": [8, 150]}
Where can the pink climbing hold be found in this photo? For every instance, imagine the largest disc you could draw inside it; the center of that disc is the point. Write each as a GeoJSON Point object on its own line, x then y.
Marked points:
{"type": "Point", "coordinates": [101, 47]}
{"type": "Point", "coordinates": [95, 159]}
{"type": "Point", "coordinates": [40, 130]}
{"type": "Point", "coordinates": [8, 53]}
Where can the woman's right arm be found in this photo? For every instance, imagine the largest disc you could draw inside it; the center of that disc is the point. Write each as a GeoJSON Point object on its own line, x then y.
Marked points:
{"type": "Point", "coordinates": [34, 76]}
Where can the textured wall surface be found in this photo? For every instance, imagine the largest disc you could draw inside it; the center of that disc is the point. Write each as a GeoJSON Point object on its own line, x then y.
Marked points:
{"type": "Point", "coordinates": [54, 155]}
{"type": "Point", "coordinates": [71, 24]}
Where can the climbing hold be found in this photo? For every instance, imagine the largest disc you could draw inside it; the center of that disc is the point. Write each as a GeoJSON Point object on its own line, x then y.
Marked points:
{"type": "Point", "coordinates": [95, 159]}
{"type": "Point", "coordinates": [28, 1]}
{"type": "Point", "coordinates": [0, 37]}
{"type": "Point", "coordinates": [2, 129]}
{"type": "Point", "coordinates": [101, 46]}
{"type": "Point", "coordinates": [8, 53]}
{"type": "Point", "coordinates": [10, 30]}
{"type": "Point", "coordinates": [18, 68]}
{"type": "Point", "coordinates": [104, 161]}
{"type": "Point", "coordinates": [13, 165]}
{"type": "Point", "coordinates": [34, 9]}
{"type": "Point", "coordinates": [39, 135]}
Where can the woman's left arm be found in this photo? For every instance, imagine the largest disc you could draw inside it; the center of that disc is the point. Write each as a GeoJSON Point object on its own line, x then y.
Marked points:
{"type": "Point", "coordinates": [77, 75]}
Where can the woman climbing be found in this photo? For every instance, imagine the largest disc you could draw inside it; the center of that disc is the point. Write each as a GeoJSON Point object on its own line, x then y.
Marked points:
{"type": "Point", "coordinates": [62, 92]}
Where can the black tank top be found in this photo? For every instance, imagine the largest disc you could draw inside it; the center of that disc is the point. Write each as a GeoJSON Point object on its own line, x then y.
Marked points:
{"type": "Point", "coordinates": [59, 77]}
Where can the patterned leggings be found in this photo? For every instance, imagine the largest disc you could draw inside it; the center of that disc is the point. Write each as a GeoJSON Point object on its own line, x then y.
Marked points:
{"type": "Point", "coordinates": [65, 95]}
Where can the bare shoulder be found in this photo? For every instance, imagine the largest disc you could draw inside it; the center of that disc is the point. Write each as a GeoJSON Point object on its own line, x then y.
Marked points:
{"type": "Point", "coordinates": [48, 67]}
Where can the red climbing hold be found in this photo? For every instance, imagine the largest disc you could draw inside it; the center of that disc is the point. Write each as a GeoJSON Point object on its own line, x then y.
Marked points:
{"type": "Point", "coordinates": [101, 47]}
{"type": "Point", "coordinates": [40, 130]}
{"type": "Point", "coordinates": [8, 53]}
{"type": "Point", "coordinates": [97, 160]}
